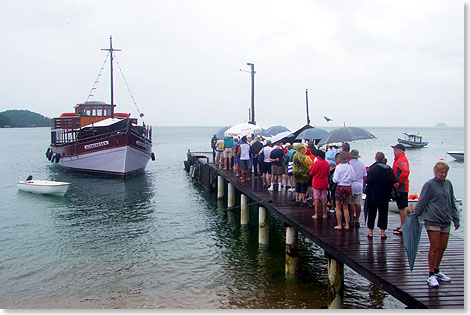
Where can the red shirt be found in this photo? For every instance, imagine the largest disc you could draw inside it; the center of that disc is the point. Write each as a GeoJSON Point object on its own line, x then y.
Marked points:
{"type": "Point", "coordinates": [320, 171]}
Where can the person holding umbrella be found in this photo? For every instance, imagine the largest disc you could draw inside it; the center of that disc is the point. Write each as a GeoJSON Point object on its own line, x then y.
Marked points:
{"type": "Point", "coordinates": [437, 201]}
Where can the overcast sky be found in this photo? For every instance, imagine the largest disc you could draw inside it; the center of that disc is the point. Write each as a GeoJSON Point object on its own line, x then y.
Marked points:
{"type": "Point", "coordinates": [365, 63]}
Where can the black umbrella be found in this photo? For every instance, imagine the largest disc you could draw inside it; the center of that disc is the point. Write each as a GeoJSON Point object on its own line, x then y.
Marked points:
{"type": "Point", "coordinates": [345, 134]}
{"type": "Point", "coordinates": [312, 134]}
{"type": "Point", "coordinates": [221, 133]}
{"type": "Point", "coordinates": [411, 235]}
{"type": "Point", "coordinates": [274, 130]}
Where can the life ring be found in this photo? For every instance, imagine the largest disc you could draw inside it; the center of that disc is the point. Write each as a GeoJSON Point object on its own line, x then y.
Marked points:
{"type": "Point", "coordinates": [413, 197]}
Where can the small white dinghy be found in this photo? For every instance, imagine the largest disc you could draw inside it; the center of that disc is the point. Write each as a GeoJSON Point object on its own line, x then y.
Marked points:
{"type": "Point", "coordinates": [47, 187]}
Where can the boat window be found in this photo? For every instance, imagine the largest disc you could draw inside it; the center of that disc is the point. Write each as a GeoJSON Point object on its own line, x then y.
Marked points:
{"type": "Point", "coordinates": [94, 112]}
{"type": "Point", "coordinates": [99, 112]}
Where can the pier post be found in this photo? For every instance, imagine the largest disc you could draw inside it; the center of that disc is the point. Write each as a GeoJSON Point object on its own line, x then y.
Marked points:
{"type": "Point", "coordinates": [244, 211]}
{"type": "Point", "coordinates": [230, 196]}
{"type": "Point", "coordinates": [292, 256]}
{"type": "Point", "coordinates": [335, 294]}
{"type": "Point", "coordinates": [220, 187]}
{"type": "Point", "coordinates": [263, 233]}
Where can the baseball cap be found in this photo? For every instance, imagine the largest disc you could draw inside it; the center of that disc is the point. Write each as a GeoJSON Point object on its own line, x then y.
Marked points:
{"type": "Point", "coordinates": [399, 146]}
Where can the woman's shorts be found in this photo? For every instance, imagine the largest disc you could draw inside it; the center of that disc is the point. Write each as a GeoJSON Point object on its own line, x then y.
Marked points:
{"type": "Point", "coordinates": [219, 154]}
{"type": "Point", "coordinates": [301, 188]}
{"type": "Point", "coordinates": [245, 165]}
{"type": "Point", "coordinates": [277, 170]}
{"type": "Point", "coordinates": [236, 159]}
{"type": "Point", "coordinates": [438, 228]}
{"type": "Point", "coordinates": [402, 200]}
{"type": "Point", "coordinates": [342, 193]}
{"type": "Point", "coordinates": [320, 193]}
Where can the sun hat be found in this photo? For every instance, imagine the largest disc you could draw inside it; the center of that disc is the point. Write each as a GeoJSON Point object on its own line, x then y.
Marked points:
{"type": "Point", "coordinates": [354, 154]}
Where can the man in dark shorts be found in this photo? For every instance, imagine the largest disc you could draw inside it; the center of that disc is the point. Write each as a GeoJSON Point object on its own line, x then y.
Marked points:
{"type": "Point", "coordinates": [401, 168]}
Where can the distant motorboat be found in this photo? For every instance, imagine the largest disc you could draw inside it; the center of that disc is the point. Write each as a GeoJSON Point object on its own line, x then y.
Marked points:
{"type": "Point", "coordinates": [458, 155]}
{"type": "Point", "coordinates": [412, 201]}
{"type": "Point", "coordinates": [46, 187]}
{"type": "Point", "coordinates": [412, 141]}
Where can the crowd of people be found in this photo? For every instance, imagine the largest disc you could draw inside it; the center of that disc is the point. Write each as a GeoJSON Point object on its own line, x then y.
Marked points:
{"type": "Point", "coordinates": [335, 178]}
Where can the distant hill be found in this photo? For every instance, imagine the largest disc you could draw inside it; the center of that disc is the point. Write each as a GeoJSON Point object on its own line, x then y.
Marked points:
{"type": "Point", "coordinates": [23, 118]}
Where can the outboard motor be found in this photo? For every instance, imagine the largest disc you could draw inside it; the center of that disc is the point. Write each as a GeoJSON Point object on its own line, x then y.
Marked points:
{"type": "Point", "coordinates": [30, 177]}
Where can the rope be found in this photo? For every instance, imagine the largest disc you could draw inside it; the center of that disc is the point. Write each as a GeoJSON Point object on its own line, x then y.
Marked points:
{"type": "Point", "coordinates": [100, 202]}
{"type": "Point", "coordinates": [127, 85]}
{"type": "Point", "coordinates": [97, 79]}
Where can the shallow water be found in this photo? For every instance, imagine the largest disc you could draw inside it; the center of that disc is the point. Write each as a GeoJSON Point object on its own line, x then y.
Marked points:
{"type": "Point", "coordinates": [156, 240]}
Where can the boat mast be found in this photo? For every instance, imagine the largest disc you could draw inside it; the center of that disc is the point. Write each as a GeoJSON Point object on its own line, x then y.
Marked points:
{"type": "Point", "coordinates": [111, 49]}
{"type": "Point", "coordinates": [306, 105]}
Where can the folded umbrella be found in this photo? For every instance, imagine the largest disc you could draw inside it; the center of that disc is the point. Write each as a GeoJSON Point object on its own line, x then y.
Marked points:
{"type": "Point", "coordinates": [411, 231]}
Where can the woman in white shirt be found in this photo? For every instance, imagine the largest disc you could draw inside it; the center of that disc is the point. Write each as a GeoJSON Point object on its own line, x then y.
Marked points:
{"type": "Point", "coordinates": [343, 178]}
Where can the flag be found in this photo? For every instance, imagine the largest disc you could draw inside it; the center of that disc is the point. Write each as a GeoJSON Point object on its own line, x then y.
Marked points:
{"type": "Point", "coordinates": [327, 119]}
{"type": "Point", "coordinates": [141, 115]}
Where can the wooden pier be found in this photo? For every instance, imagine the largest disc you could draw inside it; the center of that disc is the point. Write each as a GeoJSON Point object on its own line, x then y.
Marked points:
{"type": "Point", "coordinates": [382, 262]}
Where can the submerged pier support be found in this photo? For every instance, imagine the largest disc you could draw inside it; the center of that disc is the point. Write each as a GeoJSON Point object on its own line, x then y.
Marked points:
{"type": "Point", "coordinates": [292, 255]}
{"type": "Point", "coordinates": [244, 211]}
{"type": "Point", "coordinates": [335, 295]}
{"type": "Point", "coordinates": [263, 233]}
{"type": "Point", "coordinates": [220, 187]}
{"type": "Point", "coordinates": [230, 195]}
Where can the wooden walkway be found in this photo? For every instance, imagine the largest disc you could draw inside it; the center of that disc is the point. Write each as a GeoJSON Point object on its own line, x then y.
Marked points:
{"type": "Point", "coordinates": [383, 262]}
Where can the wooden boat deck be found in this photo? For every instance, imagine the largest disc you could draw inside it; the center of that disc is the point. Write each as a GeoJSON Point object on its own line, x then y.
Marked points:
{"type": "Point", "coordinates": [383, 262]}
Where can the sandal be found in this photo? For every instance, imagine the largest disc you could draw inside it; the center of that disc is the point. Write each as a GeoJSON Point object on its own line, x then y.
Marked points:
{"type": "Point", "coordinates": [314, 217]}
{"type": "Point", "coordinates": [384, 237]}
{"type": "Point", "coordinates": [397, 232]}
{"type": "Point", "coordinates": [397, 229]}
{"type": "Point", "coordinates": [369, 237]}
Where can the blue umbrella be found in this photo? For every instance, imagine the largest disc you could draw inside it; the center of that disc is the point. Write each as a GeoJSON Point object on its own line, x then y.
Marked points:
{"type": "Point", "coordinates": [274, 130]}
{"type": "Point", "coordinates": [411, 235]}
{"type": "Point", "coordinates": [312, 134]}
{"type": "Point", "coordinates": [220, 134]}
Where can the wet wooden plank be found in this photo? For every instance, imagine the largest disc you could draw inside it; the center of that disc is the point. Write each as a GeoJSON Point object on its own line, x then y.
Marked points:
{"type": "Point", "coordinates": [383, 262]}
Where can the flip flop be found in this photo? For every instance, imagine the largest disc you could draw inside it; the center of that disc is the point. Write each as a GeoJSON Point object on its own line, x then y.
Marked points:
{"type": "Point", "coordinates": [397, 229]}
{"type": "Point", "coordinates": [398, 232]}
{"type": "Point", "coordinates": [314, 217]}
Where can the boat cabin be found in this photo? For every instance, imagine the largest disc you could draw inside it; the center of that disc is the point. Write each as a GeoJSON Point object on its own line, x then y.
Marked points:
{"type": "Point", "coordinates": [413, 138]}
{"type": "Point", "coordinates": [65, 129]}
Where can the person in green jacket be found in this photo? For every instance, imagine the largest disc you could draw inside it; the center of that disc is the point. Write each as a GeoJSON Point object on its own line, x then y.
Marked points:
{"type": "Point", "coordinates": [437, 201]}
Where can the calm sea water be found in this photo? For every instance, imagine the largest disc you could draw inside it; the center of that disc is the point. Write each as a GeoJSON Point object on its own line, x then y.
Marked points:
{"type": "Point", "coordinates": [156, 240]}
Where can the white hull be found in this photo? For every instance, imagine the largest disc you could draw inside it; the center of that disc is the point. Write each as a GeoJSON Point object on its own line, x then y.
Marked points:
{"type": "Point", "coordinates": [458, 155]}
{"type": "Point", "coordinates": [44, 187]}
{"type": "Point", "coordinates": [120, 161]}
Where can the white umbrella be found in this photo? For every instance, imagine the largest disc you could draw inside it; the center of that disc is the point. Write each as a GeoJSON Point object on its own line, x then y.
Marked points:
{"type": "Point", "coordinates": [243, 129]}
{"type": "Point", "coordinates": [281, 136]}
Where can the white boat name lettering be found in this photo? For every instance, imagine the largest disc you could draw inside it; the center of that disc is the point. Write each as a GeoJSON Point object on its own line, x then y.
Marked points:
{"type": "Point", "coordinates": [96, 145]}
{"type": "Point", "coordinates": [141, 144]}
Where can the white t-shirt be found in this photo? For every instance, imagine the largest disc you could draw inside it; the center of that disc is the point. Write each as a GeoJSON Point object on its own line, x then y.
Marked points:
{"type": "Point", "coordinates": [244, 151]}
{"type": "Point", "coordinates": [267, 154]}
{"type": "Point", "coordinates": [358, 179]}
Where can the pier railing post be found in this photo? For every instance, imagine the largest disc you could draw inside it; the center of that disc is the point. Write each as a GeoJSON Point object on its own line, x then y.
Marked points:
{"type": "Point", "coordinates": [230, 195]}
{"type": "Point", "coordinates": [263, 233]}
{"type": "Point", "coordinates": [291, 251]}
{"type": "Point", "coordinates": [220, 187]}
{"type": "Point", "coordinates": [335, 294]}
{"type": "Point", "coordinates": [244, 211]}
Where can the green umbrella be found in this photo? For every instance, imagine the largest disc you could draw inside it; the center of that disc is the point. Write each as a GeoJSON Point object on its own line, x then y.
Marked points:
{"type": "Point", "coordinates": [411, 235]}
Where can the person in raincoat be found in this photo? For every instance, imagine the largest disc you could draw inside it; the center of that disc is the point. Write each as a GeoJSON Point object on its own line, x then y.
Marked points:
{"type": "Point", "coordinates": [302, 164]}
{"type": "Point", "coordinates": [437, 201]}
